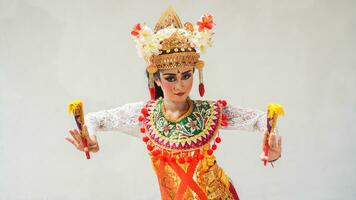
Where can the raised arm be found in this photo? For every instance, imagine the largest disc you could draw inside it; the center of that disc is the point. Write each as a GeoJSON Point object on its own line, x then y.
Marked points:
{"type": "Point", "coordinates": [122, 118]}
{"type": "Point", "coordinates": [245, 119]}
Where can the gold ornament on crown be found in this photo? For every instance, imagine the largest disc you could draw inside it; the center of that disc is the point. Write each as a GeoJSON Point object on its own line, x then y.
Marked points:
{"type": "Point", "coordinates": [168, 18]}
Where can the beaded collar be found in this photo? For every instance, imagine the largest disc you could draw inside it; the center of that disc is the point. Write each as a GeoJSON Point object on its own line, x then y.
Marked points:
{"type": "Point", "coordinates": [192, 131]}
{"type": "Point", "coordinates": [199, 127]}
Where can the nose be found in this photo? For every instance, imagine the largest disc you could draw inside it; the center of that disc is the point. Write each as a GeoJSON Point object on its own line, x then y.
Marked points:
{"type": "Point", "coordinates": [180, 85]}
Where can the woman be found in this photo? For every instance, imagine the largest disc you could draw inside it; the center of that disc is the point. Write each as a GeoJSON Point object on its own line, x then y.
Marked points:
{"type": "Point", "coordinates": [181, 134]}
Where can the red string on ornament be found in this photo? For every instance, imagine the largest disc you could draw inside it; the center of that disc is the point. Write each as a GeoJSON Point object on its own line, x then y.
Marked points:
{"type": "Point", "coordinates": [201, 89]}
{"type": "Point", "coordinates": [153, 93]}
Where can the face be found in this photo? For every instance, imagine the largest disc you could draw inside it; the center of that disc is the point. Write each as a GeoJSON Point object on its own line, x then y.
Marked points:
{"type": "Point", "coordinates": [176, 83]}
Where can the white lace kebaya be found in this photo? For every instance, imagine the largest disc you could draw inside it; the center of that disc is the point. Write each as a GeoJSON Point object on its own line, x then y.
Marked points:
{"type": "Point", "coordinates": [124, 119]}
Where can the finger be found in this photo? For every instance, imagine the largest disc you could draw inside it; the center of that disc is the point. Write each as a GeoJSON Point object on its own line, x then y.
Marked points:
{"type": "Point", "coordinates": [79, 137]}
{"type": "Point", "coordinates": [280, 141]}
{"type": "Point", "coordinates": [273, 152]}
{"type": "Point", "coordinates": [94, 145]}
{"type": "Point", "coordinates": [94, 148]}
{"type": "Point", "coordinates": [276, 148]}
{"type": "Point", "coordinates": [278, 145]}
{"type": "Point", "coordinates": [271, 140]}
{"type": "Point", "coordinates": [93, 140]}
{"type": "Point", "coordinates": [74, 135]}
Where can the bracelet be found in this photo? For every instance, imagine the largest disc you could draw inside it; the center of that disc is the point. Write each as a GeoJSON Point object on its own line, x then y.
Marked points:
{"type": "Point", "coordinates": [274, 160]}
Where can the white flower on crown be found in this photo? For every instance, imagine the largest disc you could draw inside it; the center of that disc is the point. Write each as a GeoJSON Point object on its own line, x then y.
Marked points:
{"type": "Point", "coordinates": [165, 33]}
{"type": "Point", "coordinates": [202, 40]}
{"type": "Point", "coordinates": [148, 42]}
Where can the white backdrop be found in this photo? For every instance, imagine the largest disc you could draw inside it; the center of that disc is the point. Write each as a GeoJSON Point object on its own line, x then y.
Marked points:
{"type": "Point", "coordinates": [298, 53]}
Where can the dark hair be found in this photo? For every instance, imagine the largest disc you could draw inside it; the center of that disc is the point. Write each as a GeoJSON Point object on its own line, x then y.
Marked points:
{"type": "Point", "coordinates": [158, 90]}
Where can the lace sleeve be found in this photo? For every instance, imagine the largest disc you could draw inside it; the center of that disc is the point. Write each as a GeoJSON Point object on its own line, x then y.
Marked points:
{"type": "Point", "coordinates": [245, 119]}
{"type": "Point", "coordinates": [123, 119]}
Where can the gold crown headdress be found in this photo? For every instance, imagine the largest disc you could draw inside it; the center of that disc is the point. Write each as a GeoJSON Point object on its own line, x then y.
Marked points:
{"type": "Point", "coordinates": [171, 45]}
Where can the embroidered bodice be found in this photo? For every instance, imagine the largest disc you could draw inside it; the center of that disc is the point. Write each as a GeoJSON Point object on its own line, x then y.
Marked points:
{"type": "Point", "coordinates": [191, 131]}
{"type": "Point", "coordinates": [182, 150]}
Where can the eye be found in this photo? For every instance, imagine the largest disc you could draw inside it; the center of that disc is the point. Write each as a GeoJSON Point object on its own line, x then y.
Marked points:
{"type": "Point", "coordinates": [170, 78]}
{"type": "Point", "coordinates": [186, 76]}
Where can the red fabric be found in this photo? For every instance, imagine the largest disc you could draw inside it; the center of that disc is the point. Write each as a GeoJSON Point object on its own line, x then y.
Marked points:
{"type": "Point", "coordinates": [233, 192]}
{"type": "Point", "coordinates": [187, 180]}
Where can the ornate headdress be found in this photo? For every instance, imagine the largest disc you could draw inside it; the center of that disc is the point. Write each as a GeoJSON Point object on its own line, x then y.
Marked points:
{"type": "Point", "coordinates": [171, 45]}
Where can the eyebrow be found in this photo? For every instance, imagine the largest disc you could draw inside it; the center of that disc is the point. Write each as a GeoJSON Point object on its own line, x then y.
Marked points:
{"type": "Point", "coordinates": [175, 74]}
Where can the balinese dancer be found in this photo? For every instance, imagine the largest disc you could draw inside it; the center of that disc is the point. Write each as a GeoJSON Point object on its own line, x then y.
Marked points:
{"type": "Point", "coordinates": [181, 134]}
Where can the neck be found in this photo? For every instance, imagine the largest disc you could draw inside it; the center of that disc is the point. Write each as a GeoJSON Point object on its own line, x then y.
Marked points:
{"type": "Point", "coordinates": [172, 106]}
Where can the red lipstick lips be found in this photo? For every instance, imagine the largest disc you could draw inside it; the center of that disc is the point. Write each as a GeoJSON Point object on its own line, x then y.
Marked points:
{"type": "Point", "coordinates": [180, 94]}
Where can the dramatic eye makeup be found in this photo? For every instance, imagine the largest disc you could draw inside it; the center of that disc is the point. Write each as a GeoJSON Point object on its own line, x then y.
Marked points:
{"type": "Point", "coordinates": [187, 75]}
{"type": "Point", "coordinates": [171, 77]}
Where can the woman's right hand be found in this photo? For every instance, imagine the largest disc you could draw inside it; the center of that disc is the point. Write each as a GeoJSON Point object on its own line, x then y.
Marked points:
{"type": "Point", "coordinates": [76, 140]}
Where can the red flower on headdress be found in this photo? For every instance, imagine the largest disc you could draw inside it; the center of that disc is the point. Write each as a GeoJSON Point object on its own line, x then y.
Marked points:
{"type": "Point", "coordinates": [135, 30]}
{"type": "Point", "coordinates": [206, 22]}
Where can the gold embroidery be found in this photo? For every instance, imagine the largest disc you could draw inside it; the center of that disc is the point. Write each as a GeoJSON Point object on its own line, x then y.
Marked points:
{"type": "Point", "coordinates": [210, 121]}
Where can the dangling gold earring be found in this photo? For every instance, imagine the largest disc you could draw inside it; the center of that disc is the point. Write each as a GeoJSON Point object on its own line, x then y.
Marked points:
{"type": "Point", "coordinates": [199, 66]}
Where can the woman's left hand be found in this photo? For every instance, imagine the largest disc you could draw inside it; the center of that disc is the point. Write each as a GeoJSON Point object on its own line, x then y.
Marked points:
{"type": "Point", "coordinates": [275, 147]}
